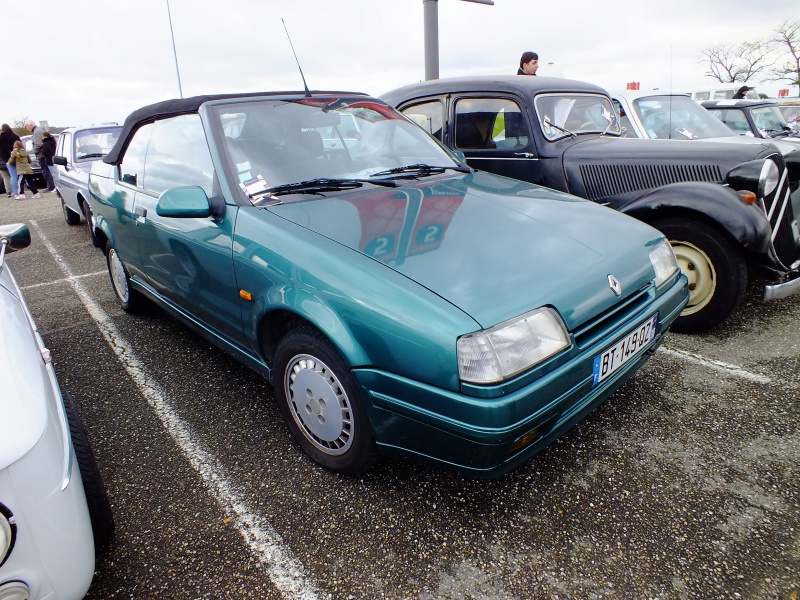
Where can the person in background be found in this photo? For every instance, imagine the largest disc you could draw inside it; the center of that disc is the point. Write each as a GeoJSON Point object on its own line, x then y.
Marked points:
{"type": "Point", "coordinates": [19, 156]}
{"type": "Point", "coordinates": [46, 159]}
{"type": "Point", "coordinates": [36, 132]}
{"type": "Point", "coordinates": [528, 63]}
{"type": "Point", "coordinates": [741, 92]}
{"type": "Point", "coordinates": [8, 171]}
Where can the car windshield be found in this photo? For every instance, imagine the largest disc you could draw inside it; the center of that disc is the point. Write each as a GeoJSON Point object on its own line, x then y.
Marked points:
{"type": "Point", "coordinates": [271, 144]}
{"type": "Point", "coordinates": [94, 143]}
{"type": "Point", "coordinates": [677, 118]}
{"type": "Point", "coordinates": [562, 115]}
{"type": "Point", "coordinates": [769, 121]}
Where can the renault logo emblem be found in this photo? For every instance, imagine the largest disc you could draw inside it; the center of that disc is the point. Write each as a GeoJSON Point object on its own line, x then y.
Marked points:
{"type": "Point", "coordinates": [615, 285]}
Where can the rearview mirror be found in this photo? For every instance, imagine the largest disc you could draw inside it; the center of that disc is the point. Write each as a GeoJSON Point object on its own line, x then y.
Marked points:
{"type": "Point", "coordinates": [15, 236]}
{"type": "Point", "coordinates": [60, 160]}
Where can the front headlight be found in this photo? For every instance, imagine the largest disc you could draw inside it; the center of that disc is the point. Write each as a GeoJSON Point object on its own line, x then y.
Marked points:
{"type": "Point", "coordinates": [663, 260]}
{"type": "Point", "coordinates": [499, 353]}
{"type": "Point", "coordinates": [768, 179]}
{"type": "Point", "coordinates": [758, 176]}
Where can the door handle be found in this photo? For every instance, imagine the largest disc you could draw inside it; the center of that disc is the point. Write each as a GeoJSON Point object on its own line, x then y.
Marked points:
{"type": "Point", "coordinates": [140, 212]}
{"type": "Point", "coordinates": [524, 155]}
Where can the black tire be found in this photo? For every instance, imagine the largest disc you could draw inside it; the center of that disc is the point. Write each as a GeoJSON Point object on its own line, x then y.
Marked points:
{"type": "Point", "coordinates": [72, 218]}
{"type": "Point", "coordinates": [96, 498]}
{"type": "Point", "coordinates": [89, 216]}
{"type": "Point", "coordinates": [716, 270]}
{"type": "Point", "coordinates": [341, 438]}
{"type": "Point", "coordinates": [129, 299]}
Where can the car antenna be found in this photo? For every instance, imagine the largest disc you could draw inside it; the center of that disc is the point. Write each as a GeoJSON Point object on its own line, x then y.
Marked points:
{"type": "Point", "coordinates": [308, 94]}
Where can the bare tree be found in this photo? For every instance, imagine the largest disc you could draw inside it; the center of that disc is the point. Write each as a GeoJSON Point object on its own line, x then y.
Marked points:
{"type": "Point", "coordinates": [787, 38]}
{"type": "Point", "coordinates": [728, 63]}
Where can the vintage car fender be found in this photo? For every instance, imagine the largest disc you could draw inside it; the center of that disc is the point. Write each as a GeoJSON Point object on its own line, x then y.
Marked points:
{"type": "Point", "coordinates": [746, 223]}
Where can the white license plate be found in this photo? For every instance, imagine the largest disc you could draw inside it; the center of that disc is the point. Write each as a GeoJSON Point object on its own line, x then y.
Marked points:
{"type": "Point", "coordinates": [624, 350]}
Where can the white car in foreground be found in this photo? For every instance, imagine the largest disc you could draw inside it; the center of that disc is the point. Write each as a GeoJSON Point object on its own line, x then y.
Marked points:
{"type": "Point", "coordinates": [54, 511]}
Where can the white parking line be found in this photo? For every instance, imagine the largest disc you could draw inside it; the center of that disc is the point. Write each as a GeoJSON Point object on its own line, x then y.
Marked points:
{"type": "Point", "coordinates": [286, 572]}
{"type": "Point", "coordinates": [716, 365]}
{"type": "Point", "coordinates": [57, 281]}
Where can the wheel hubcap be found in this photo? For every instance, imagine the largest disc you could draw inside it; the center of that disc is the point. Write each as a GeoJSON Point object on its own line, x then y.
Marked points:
{"type": "Point", "coordinates": [319, 404]}
{"type": "Point", "coordinates": [118, 277]}
{"type": "Point", "coordinates": [698, 268]}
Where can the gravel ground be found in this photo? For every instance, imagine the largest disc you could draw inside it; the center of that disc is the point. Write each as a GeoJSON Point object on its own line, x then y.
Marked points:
{"type": "Point", "coordinates": [684, 484]}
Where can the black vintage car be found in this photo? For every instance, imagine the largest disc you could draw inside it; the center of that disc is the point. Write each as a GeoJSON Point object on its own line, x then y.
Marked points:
{"type": "Point", "coordinates": [729, 210]}
{"type": "Point", "coordinates": [756, 118]}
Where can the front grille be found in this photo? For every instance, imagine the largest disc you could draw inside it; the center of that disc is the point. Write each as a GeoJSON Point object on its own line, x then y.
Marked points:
{"type": "Point", "coordinates": [778, 208]}
{"type": "Point", "coordinates": [622, 311]}
{"type": "Point", "coordinates": [604, 181]}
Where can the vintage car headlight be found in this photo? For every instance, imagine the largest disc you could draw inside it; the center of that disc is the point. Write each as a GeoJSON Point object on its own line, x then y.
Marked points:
{"type": "Point", "coordinates": [498, 353]}
{"type": "Point", "coordinates": [758, 176]}
{"type": "Point", "coordinates": [664, 263]}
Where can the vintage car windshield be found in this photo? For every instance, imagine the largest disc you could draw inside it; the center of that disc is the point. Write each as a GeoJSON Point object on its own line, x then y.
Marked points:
{"type": "Point", "coordinates": [281, 142]}
{"type": "Point", "coordinates": [677, 118]}
{"type": "Point", "coordinates": [769, 121]}
{"type": "Point", "coordinates": [562, 115]}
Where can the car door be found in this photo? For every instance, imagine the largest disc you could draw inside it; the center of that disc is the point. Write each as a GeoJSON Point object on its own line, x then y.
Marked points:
{"type": "Point", "coordinates": [188, 261]}
{"type": "Point", "coordinates": [494, 133]}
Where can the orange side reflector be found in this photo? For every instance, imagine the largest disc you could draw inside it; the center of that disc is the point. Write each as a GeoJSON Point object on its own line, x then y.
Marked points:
{"type": "Point", "coordinates": [748, 197]}
{"type": "Point", "coordinates": [245, 294]}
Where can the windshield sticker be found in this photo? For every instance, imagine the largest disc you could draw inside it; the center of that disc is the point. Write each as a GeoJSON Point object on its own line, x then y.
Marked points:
{"type": "Point", "coordinates": [254, 185]}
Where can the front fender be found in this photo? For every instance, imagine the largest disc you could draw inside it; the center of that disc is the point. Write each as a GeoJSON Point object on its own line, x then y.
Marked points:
{"type": "Point", "coordinates": [745, 223]}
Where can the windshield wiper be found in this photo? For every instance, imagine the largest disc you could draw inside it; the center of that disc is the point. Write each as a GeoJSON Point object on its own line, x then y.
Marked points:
{"type": "Point", "coordinates": [317, 186]}
{"type": "Point", "coordinates": [549, 123]}
{"type": "Point", "coordinates": [417, 170]}
{"type": "Point", "coordinates": [93, 155]}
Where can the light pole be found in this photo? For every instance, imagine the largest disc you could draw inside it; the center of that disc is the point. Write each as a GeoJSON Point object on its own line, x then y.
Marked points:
{"type": "Point", "coordinates": [431, 16]}
{"type": "Point", "coordinates": [174, 53]}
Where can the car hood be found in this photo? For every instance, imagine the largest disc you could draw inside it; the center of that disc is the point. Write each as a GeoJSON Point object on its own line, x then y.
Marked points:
{"type": "Point", "coordinates": [494, 247]}
{"type": "Point", "coordinates": [23, 399]}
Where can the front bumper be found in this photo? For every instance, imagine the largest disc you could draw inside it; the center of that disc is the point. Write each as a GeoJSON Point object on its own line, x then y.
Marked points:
{"type": "Point", "coordinates": [782, 290]}
{"type": "Point", "coordinates": [477, 436]}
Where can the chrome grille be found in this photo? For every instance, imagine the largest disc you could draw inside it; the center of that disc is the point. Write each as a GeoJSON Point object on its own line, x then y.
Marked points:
{"type": "Point", "coordinates": [623, 310]}
{"type": "Point", "coordinates": [603, 181]}
{"type": "Point", "coordinates": [778, 208]}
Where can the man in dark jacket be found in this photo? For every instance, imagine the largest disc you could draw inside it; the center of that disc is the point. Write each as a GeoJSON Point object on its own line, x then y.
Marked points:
{"type": "Point", "coordinates": [9, 172]}
{"type": "Point", "coordinates": [528, 63]}
{"type": "Point", "coordinates": [46, 159]}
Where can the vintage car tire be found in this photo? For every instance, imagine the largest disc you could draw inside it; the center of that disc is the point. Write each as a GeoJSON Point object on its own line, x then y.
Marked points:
{"type": "Point", "coordinates": [89, 216]}
{"type": "Point", "coordinates": [716, 270]}
{"type": "Point", "coordinates": [100, 512]}
{"type": "Point", "coordinates": [340, 438]}
{"type": "Point", "coordinates": [129, 299]}
{"type": "Point", "coordinates": [72, 218]}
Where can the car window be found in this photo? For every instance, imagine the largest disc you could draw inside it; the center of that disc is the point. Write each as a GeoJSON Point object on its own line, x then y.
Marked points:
{"type": "Point", "coordinates": [561, 115]}
{"type": "Point", "coordinates": [178, 155]}
{"type": "Point", "coordinates": [91, 144]}
{"type": "Point", "coordinates": [131, 167]}
{"type": "Point", "coordinates": [768, 119]}
{"type": "Point", "coordinates": [488, 123]}
{"type": "Point", "coordinates": [429, 116]}
{"type": "Point", "coordinates": [677, 118]}
{"type": "Point", "coordinates": [624, 121]}
{"type": "Point", "coordinates": [733, 118]}
{"type": "Point", "coordinates": [63, 142]}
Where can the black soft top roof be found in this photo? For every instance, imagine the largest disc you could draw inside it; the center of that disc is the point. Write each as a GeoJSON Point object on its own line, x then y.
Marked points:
{"type": "Point", "coordinates": [180, 106]}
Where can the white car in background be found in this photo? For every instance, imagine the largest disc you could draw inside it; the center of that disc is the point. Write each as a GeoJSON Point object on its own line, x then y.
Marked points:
{"type": "Point", "coordinates": [54, 511]}
{"type": "Point", "coordinates": [78, 148]}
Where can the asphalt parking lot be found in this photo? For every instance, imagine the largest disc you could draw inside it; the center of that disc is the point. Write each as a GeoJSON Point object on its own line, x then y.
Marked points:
{"type": "Point", "coordinates": [684, 484]}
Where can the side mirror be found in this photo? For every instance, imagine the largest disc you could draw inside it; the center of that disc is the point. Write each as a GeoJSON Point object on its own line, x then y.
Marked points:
{"type": "Point", "coordinates": [184, 202]}
{"type": "Point", "coordinates": [60, 160]}
{"type": "Point", "coordinates": [15, 236]}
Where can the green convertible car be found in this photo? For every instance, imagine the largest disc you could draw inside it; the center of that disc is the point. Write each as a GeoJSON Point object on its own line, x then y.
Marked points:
{"type": "Point", "coordinates": [399, 302]}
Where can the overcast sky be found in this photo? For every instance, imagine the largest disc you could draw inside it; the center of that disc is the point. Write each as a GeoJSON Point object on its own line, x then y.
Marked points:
{"type": "Point", "coordinates": [93, 61]}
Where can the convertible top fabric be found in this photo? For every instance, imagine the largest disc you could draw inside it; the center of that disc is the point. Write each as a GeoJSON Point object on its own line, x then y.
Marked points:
{"type": "Point", "coordinates": [179, 106]}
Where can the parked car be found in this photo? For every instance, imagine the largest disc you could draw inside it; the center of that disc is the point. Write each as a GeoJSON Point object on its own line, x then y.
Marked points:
{"type": "Point", "coordinates": [754, 118]}
{"type": "Point", "coordinates": [726, 208]}
{"type": "Point", "coordinates": [53, 508]}
{"type": "Point", "coordinates": [399, 303]}
{"type": "Point", "coordinates": [78, 148]}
